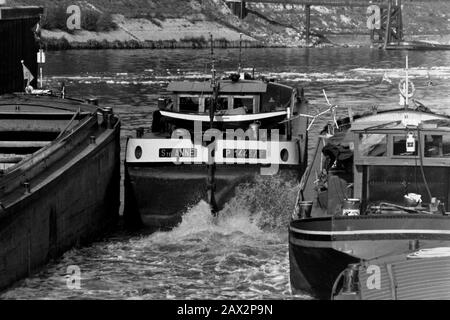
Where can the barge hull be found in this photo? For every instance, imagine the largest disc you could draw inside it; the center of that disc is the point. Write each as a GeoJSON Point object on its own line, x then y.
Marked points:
{"type": "Point", "coordinates": [314, 270]}
{"type": "Point", "coordinates": [159, 195]}
{"type": "Point", "coordinates": [69, 207]}
{"type": "Point", "coordinates": [321, 248]}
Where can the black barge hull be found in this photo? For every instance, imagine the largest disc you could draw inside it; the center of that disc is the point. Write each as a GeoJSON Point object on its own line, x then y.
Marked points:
{"type": "Point", "coordinates": [321, 248]}
{"type": "Point", "coordinates": [157, 196]}
{"type": "Point", "coordinates": [65, 194]}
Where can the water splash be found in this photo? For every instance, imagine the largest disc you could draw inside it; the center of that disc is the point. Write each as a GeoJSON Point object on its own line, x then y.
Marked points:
{"type": "Point", "coordinates": [239, 254]}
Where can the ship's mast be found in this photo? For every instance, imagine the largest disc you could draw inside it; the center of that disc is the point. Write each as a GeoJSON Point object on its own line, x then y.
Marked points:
{"type": "Point", "coordinates": [212, 108]}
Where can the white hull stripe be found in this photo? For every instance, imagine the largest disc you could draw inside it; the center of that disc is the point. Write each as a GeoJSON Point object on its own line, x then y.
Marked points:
{"type": "Point", "coordinates": [358, 232]}
{"type": "Point", "coordinates": [224, 118]}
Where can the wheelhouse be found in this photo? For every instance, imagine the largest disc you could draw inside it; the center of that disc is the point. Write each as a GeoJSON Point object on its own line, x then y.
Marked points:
{"type": "Point", "coordinates": [400, 157]}
{"type": "Point", "coordinates": [242, 97]}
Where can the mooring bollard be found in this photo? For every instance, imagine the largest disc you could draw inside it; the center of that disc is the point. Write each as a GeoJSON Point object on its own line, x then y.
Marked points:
{"type": "Point", "coordinates": [350, 278]}
{"type": "Point", "coordinates": [93, 101]}
{"type": "Point", "coordinates": [413, 245]}
{"type": "Point", "coordinates": [27, 187]}
{"type": "Point", "coordinates": [139, 132]}
{"type": "Point", "coordinates": [108, 117]}
{"type": "Point", "coordinates": [303, 210]}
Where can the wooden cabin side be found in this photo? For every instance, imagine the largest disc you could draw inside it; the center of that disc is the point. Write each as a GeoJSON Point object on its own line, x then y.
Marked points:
{"type": "Point", "coordinates": [384, 170]}
{"type": "Point", "coordinates": [234, 98]}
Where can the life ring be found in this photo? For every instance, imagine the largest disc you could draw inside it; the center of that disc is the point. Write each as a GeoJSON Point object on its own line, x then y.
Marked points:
{"type": "Point", "coordinates": [402, 88]}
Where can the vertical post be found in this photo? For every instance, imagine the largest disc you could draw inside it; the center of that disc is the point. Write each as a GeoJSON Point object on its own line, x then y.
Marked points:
{"type": "Point", "coordinates": [400, 20]}
{"type": "Point", "coordinates": [240, 54]}
{"type": "Point", "coordinates": [41, 80]}
{"type": "Point", "coordinates": [41, 61]}
{"type": "Point", "coordinates": [308, 22]}
{"type": "Point", "coordinates": [211, 162]}
{"type": "Point", "coordinates": [407, 84]}
{"type": "Point", "coordinates": [387, 37]}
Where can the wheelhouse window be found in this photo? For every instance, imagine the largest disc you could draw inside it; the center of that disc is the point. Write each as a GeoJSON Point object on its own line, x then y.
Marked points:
{"type": "Point", "coordinates": [372, 145]}
{"type": "Point", "coordinates": [437, 146]}
{"type": "Point", "coordinates": [189, 103]}
{"type": "Point", "coordinates": [399, 143]}
{"type": "Point", "coordinates": [222, 103]}
{"type": "Point", "coordinates": [243, 102]}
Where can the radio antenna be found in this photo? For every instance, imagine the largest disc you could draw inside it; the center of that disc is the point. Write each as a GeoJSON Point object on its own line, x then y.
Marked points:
{"type": "Point", "coordinates": [213, 64]}
{"type": "Point", "coordinates": [240, 53]}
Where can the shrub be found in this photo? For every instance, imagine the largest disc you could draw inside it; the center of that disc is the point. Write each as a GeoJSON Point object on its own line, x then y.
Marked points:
{"type": "Point", "coordinates": [89, 20]}
{"type": "Point", "coordinates": [116, 44]}
{"type": "Point", "coordinates": [105, 23]}
{"type": "Point", "coordinates": [104, 44]}
{"type": "Point", "coordinates": [133, 44]}
{"type": "Point", "coordinates": [93, 44]}
{"type": "Point", "coordinates": [56, 43]}
{"type": "Point", "coordinates": [54, 18]}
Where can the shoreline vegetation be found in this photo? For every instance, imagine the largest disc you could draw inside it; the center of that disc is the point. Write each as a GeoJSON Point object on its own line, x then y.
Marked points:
{"type": "Point", "coordinates": [346, 41]}
{"type": "Point", "coordinates": [101, 29]}
{"type": "Point", "coordinates": [55, 44]}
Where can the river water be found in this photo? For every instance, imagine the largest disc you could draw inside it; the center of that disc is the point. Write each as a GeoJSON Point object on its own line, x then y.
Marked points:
{"type": "Point", "coordinates": [243, 253]}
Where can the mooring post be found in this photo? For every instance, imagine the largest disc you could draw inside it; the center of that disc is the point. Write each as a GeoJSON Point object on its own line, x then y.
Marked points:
{"type": "Point", "coordinates": [308, 22]}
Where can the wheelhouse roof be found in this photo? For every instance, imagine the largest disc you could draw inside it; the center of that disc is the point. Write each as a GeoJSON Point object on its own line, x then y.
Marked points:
{"type": "Point", "coordinates": [21, 12]}
{"type": "Point", "coordinates": [392, 119]}
{"type": "Point", "coordinates": [241, 86]}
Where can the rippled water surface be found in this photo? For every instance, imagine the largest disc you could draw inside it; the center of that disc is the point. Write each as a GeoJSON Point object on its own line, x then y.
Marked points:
{"type": "Point", "coordinates": [241, 254]}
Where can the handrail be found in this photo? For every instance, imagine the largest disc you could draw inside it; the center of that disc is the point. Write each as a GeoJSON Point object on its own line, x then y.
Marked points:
{"type": "Point", "coordinates": [69, 124]}
{"type": "Point", "coordinates": [306, 175]}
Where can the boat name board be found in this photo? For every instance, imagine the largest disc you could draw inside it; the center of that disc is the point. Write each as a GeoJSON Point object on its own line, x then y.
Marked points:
{"type": "Point", "coordinates": [245, 153]}
{"type": "Point", "coordinates": [178, 152]}
{"type": "Point", "coordinates": [184, 151]}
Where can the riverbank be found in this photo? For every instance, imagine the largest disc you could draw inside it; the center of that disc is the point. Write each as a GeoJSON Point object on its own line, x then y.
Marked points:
{"type": "Point", "coordinates": [104, 41]}
{"type": "Point", "coordinates": [134, 33]}
{"type": "Point", "coordinates": [194, 33]}
{"type": "Point", "coordinates": [188, 24]}
{"type": "Point", "coordinates": [153, 34]}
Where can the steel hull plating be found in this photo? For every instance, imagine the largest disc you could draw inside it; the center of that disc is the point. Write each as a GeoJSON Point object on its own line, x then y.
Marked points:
{"type": "Point", "coordinates": [158, 195]}
{"type": "Point", "coordinates": [73, 194]}
{"type": "Point", "coordinates": [321, 248]}
{"type": "Point", "coordinates": [313, 270]}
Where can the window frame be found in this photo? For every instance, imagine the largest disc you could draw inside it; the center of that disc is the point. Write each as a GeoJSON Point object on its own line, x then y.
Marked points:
{"type": "Point", "coordinates": [390, 158]}
{"type": "Point", "coordinates": [188, 96]}
{"type": "Point", "coordinates": [357, 146]}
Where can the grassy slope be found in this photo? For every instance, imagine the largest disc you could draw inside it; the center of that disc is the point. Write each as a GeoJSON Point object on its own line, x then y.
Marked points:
{"type": "Point", "coordinates": [274, 24]}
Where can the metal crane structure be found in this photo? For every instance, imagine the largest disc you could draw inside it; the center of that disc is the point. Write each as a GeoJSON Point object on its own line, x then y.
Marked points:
{"type": "Point", "coordinates": [390, 26]}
